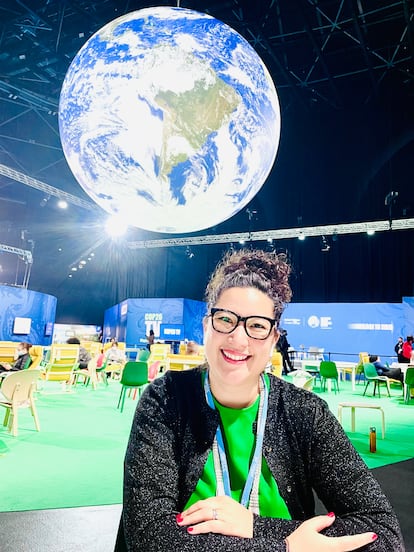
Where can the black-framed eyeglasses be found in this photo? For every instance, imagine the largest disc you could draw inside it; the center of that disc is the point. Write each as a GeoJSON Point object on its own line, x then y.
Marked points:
{"type": "Point", "coordinates": [226, 321]}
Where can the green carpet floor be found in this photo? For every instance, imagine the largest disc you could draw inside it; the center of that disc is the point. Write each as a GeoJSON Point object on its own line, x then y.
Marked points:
{"type": "Point", "coordinates": [77, 457]}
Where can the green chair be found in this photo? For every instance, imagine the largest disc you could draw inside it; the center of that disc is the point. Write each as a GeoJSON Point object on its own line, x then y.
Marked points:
{"type": "Point", "coordinates": [134, 376]}
{"type": "Point", "coordinates": [408, 383]}
{"type": "Point", "coordinates": [329, 371]}
{"type": "Point", "coordinates": [314, 371]}
{"type": "Point", "coordinates": [143, 354]}
{"type": "Point", "coordinates": [101, 372]}
{"type": "Point", "coordinates": [371, 376]}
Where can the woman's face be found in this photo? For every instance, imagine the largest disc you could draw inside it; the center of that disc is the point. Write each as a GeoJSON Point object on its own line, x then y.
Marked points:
{"type": "Point", "coordinates": [236, 358]}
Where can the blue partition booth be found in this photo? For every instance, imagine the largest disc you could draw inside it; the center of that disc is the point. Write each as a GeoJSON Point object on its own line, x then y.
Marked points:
{"type": "Point", "coordinates": [26, 315]}
{"type": "Point", "coordinates": [172, 320]}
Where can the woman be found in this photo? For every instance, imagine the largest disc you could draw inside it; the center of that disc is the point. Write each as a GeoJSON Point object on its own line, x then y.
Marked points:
{"type": "Point", "coordinates": [23, 359]}
{"type": "Point", "coordinates": [225, 457]}
{"type": "Point", "coordinates": [150, 339]}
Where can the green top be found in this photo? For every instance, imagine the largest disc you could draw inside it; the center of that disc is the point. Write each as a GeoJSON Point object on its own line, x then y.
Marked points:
{"type": "Point", "coordinates": [239, 441]}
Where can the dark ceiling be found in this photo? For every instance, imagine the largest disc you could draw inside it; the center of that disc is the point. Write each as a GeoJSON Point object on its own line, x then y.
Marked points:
{"type": "Point", "coordinates": [345, 75]}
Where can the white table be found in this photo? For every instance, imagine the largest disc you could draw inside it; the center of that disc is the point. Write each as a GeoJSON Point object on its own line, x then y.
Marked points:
{"type": "Point", "coordinates": [403, 366]}
{"type": "Point", "coordinates": [341, 366]}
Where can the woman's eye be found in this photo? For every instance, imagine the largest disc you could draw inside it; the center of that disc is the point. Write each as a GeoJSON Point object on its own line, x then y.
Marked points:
{"type": "Point", "coordinates": [226, 319]}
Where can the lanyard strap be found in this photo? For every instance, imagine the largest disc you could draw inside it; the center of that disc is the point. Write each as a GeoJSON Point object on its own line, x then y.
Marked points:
{"type": "Point", "coordinates": [250, 495]}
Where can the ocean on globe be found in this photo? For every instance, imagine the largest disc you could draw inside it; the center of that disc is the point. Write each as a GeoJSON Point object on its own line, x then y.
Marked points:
{"type": "Point", "coordinates": [170, 119]}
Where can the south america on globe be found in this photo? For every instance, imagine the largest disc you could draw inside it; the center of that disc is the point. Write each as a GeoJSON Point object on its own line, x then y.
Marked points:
{"type": "Point", "coordinates": [169, 118]}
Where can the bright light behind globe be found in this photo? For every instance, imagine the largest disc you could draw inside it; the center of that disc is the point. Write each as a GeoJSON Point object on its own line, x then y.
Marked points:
{"type": "Point", "coordinates": [115, 226]}
{"type": "Point", "coordinates": [170, 119]}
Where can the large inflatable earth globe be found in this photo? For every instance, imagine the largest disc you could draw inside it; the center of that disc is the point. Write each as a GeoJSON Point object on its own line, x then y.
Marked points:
{"type": "Point", "coordinates": [169, 118]}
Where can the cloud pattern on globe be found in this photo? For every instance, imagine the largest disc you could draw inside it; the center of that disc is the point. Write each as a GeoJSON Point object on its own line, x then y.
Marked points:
{"type": "Point", "coordinates": [169, 118]}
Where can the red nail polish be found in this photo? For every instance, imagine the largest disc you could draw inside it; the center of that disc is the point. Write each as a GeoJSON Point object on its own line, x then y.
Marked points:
{"type": "Point", "coordinates": [179, 518]}
{"type": "Point", "coordinates": [374, 536]}
{"type": "Point", "coordinates": [189, 529]}
{"type": "Point", "coordinates": [331, 514]}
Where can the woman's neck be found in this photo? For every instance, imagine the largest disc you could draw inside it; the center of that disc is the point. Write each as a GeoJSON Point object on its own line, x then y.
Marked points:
{"type": "Point", "coordinates": [234, 396]}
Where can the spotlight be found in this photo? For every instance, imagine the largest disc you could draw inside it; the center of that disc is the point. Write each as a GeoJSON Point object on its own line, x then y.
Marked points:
{"type": "Point", "coordinates": [370, 232]}
{"type": "Point", "coordinates": [44, 201]}
{"type": "Point", "coordinates": [301, 236]}
{"type": "Point", "coordinates": [62, 204]}
{"type": "Point", "coordinates": [324, 244]}
{"type": "Point", "coordinates": [115, 227]}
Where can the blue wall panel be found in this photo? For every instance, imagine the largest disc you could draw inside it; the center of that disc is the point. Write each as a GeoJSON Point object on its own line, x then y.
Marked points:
{"type": "Point", "coordinates": [346, 327]}
{"type": "Point", "coordinates": [194, 312]}
{"type": "Point", "coordinates": [24, 303]}
{"type": "Point", "coordinates": [146, 314]}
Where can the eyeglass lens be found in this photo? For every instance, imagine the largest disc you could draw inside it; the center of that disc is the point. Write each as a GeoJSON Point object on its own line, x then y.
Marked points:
{"type": "Point", "coordinates": [255, 326]}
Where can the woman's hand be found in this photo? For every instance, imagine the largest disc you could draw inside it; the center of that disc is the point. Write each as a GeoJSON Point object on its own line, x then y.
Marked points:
{"type": "Point", "coordinates": [218, 514]}
{"type": "Point", "coordinates": [307, 537]}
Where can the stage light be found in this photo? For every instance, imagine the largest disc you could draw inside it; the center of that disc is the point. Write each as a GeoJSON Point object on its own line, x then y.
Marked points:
{"type": "Point", "coordinates": [370, 232]}
{"type": "Point", "coordinates": [62, 204]}
{"type": "Point", "coordinates": [189, 253]}
{"type": "Point", "coordinates": [301, 236]}
{"type": "Point", "coordinates": [325, 244]}
{"type": "Point", "coordinates": [115, 227]}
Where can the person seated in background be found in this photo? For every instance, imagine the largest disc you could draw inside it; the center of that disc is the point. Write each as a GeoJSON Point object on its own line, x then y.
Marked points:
{"type": "Point", "coordinates": [384, 370]}
{"type": "Point", "coordinates": [225, 457]}
{"type": "Point", "coordinates": [22, 357]}
{"type": "Point", "coordinates": [192, 348]}
{"type": "Point", "coordinates": [84, 356]}
{"type": "Point", "coordinates": [115, 355]}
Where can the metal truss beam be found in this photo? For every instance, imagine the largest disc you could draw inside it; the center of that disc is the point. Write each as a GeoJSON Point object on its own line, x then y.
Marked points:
{"type": "Point", "coordinates": [27, 258]}
{"type": "Point", "coordinates": [25, 253]}
{"type": "Point", "coordinates": [282, 234]}
{"type": "Point", "coordinates": [50, 190]}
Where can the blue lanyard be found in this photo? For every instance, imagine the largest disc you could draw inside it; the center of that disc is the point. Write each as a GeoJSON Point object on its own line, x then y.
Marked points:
{"type": "Point", "coordinates": [255, 466]}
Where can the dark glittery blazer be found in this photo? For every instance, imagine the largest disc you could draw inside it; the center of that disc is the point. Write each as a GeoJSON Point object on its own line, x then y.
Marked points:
{"type": "Point", "coordinates": [304, 446]}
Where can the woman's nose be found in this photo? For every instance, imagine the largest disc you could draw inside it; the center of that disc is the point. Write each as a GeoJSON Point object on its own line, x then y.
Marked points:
{"type": "Point", "coordinates": [239, 333]}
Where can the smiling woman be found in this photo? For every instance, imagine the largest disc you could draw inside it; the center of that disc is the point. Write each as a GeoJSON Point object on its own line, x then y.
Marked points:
{"type": "Point", "coordinates": [226, 456]}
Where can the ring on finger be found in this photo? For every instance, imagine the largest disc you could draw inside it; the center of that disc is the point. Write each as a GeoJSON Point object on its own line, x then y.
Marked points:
{"type": "Point", "coordinates": [215, 514]}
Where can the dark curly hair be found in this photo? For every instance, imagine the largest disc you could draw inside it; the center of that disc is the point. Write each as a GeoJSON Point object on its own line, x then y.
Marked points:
{"type": "Point", "coordinates": [267, 272]}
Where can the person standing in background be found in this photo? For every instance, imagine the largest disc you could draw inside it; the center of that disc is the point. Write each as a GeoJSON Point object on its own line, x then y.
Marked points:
{"type": "Point", "coordinates": [407, 349]}
{"type": "Point", "coordinates": [399, 348]}
{"type": "Point", "coordinates": [150, 339]}
{"type": "Point", "coordinates": [283, 347]}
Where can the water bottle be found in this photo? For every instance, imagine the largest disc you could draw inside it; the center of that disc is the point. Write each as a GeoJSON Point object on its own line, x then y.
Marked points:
{"type": "Point", "coordinates": [372, 439]}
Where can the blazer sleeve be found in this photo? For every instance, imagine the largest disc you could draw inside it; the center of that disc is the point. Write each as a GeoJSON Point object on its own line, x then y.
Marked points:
{"type": "Point", "coordinates": [346, 487]}
{"type": "Point", "coordinates": [311, 452]}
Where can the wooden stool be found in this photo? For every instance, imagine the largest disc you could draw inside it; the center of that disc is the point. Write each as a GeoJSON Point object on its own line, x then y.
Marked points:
{"type": "Point", "coordinates": [353, 406]}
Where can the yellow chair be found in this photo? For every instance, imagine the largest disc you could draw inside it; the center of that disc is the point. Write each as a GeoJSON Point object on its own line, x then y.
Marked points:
{"type": "Point", "coordinates": [62, 363]}
{"type": "Point", "coordinates": [277, 363]}
{"type": "Point", "coordinates": [17, 392]}
{"type": "Point", "coordinates": [36, 354]}
{"type": "Point", "coordinates": [8, 351]}
{"type": "Point", "coordinates": [183, 362]}
{"type": "Point", "coordinates": [159, 351]}
{"type": "Point", "coordinates": [93, 347]}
